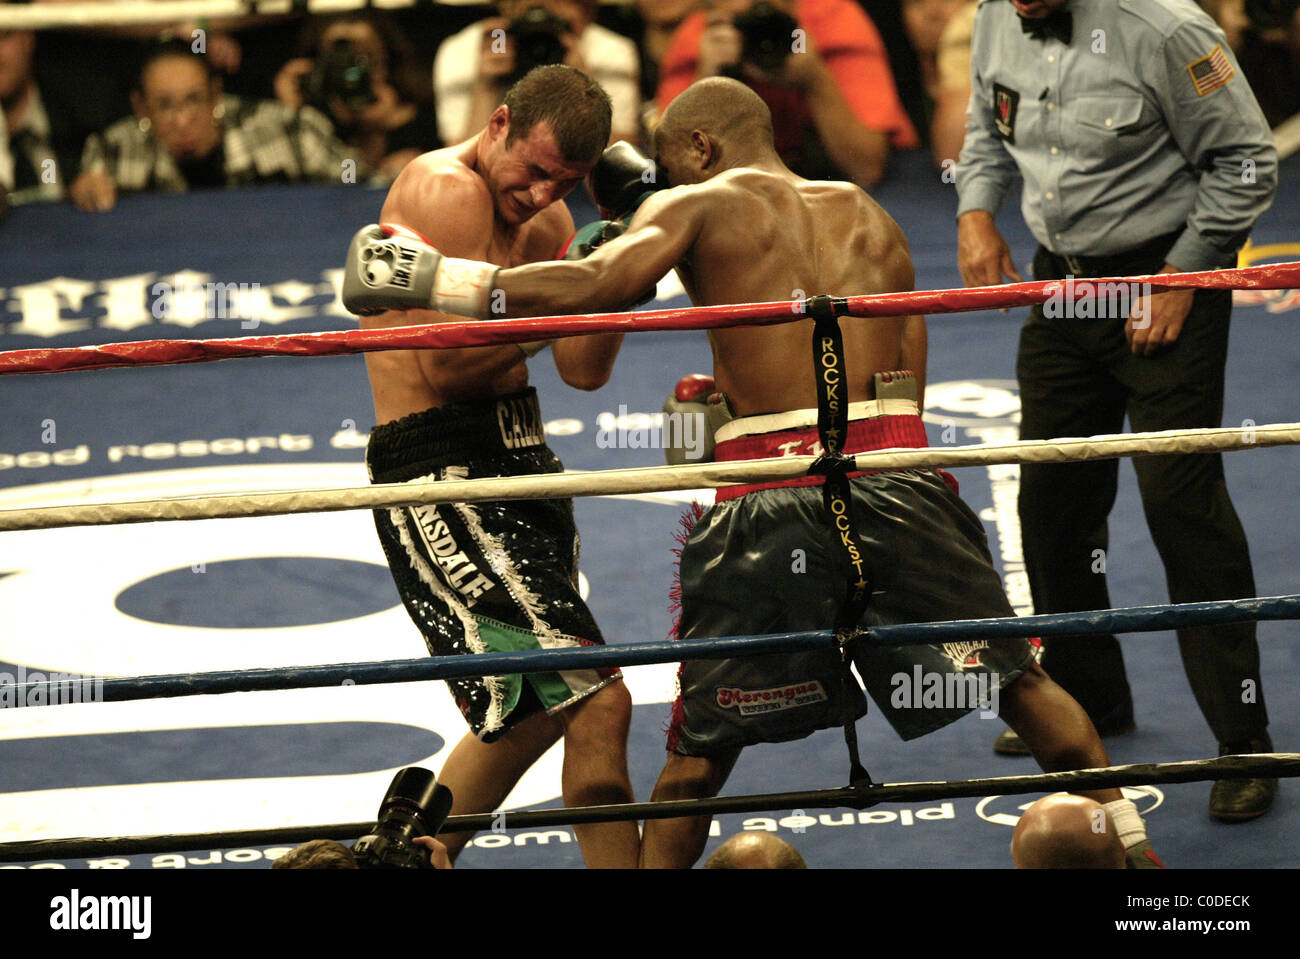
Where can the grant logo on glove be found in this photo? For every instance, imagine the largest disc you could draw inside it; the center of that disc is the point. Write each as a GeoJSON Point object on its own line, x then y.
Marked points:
{"type": "Point", "coordinates": [392, 268]}
{"type": "Point", "coordinates": [387, 264]}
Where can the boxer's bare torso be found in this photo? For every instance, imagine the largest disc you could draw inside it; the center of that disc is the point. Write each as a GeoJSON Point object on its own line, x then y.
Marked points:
{"type": "Point", "coordinates": [445, 196]}
{"type": "Point", "coordinates": [752, 234]}
{"type": "Point", "coordinates": [774, 237]}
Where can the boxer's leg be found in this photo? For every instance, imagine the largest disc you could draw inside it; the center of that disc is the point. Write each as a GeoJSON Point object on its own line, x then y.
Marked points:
{"type": "Point", "coordinates": [678, 843]}
{"type": "Point", "coordinates": [595, 773]}
{"type": "Point", "coordinates": [1055, 727]}
{"type": "Point", "coordinates": [480, 775]}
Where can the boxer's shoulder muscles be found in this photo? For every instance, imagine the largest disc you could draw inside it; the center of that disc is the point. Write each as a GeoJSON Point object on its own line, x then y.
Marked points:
{"type": "Point", "coordinates": [445, 202]}
{"type": "Point", "coordinates": [887, 248]}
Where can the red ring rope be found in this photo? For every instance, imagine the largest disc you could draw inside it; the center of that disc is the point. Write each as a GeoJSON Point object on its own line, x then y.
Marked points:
{"type": "Point", "coordinates": [1276, 276]}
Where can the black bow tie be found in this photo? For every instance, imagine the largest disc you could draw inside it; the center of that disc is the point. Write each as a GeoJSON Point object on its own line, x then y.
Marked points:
{"type": "Point", "coordinates": [1059, 23]}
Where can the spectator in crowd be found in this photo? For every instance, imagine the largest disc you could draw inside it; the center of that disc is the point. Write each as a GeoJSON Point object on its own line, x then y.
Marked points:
{"type": "Point", "coordinates": [35, 147]}
{"type": "Point", "coordinates": [359, 71]}
{"type": "Point", "coordinates": [474, 68]}
{"type": "Point", "coordinates": [755, 850]}
{"type": "Point", "coordinates": [1067, 832]}
{"type": "Point", "coordinates": [940, 33]}
{"type": "Point", "coordinates": [1265, 36]}
{"type": "Point", "coordinates": [185, 135]}
{"type": "Point", "coordinates": [660, 19]}
{"type": "Point", "coordinates": [819, 65]}
{"type": "Point", "coordinates": [1230, 15]}
{"type": "Point", "coordinates": [317, 854]}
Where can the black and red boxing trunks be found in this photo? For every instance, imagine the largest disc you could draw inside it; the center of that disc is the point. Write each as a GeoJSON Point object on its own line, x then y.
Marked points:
{"type": "Point", "coordinates": [760, 561]}
{"type": "Point", "coordinates": [486, 577]}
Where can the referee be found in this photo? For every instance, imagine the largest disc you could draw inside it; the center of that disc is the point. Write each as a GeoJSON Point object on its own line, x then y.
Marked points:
{"type": "Point", "coordinates": [1142, 150]}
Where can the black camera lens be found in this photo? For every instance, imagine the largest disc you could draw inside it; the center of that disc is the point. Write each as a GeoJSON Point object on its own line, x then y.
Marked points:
{"type": "Point", "coordinates": [415, 805]}
{"type": "Point", "coordinates": [538, 36]}
{"type": "Point", "coordinates": [340, 73]}
{"type": "Point", "coordinates": [767, 35]}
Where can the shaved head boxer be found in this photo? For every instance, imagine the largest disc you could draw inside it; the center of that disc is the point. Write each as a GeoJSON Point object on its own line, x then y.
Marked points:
{"type": "Point", "coordinates": [1066, 832]}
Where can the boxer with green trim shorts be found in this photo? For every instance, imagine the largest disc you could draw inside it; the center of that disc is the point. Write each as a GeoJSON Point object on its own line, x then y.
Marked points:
{"type": "Point", "coordinates": [494, 576]}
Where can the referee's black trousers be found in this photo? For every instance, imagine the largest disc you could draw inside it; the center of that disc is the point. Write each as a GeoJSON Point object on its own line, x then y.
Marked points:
{"type": "Point", "coordinates": [1078, 377]}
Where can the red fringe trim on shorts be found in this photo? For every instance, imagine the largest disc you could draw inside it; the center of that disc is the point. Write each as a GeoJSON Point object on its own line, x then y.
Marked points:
{"type": "Point", "coordinates": [686, 523]}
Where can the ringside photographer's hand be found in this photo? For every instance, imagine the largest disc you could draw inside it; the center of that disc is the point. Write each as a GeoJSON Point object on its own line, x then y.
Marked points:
{"type": "Point", "coordinates": [437, 851]}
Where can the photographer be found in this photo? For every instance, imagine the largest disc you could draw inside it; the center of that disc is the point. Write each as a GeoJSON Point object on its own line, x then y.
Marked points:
{"type": "Point", "coordinates": [359, 73]}
{"type": "Point", "coordinates": [818, 64]}
{"type": "Point", "coordinates": [187, 135]}
{"type": "Point", "coordinates": [474, 68]}
{"type": "Point", "coordinates": [411, 814]}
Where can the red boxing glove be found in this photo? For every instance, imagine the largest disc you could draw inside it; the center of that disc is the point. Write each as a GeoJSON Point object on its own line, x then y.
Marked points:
{"type": "Point", "coordinates": [694, 386]}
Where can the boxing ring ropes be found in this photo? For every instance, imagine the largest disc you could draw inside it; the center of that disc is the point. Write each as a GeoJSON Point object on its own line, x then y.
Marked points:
{"type": "Point", "coordinates": [861, 793]}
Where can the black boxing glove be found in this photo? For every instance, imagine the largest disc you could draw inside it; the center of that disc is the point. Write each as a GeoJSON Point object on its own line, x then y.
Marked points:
{"type": "Point", "coordinates": [622, 179]}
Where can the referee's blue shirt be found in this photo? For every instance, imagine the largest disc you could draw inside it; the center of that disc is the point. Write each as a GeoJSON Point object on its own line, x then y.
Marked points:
{"type": "Point", "coordinates": [1142, 125]}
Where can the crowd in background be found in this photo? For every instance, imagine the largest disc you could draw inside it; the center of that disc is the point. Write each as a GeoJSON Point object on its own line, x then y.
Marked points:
{"type": "Point", "coordinates": [91, 113]}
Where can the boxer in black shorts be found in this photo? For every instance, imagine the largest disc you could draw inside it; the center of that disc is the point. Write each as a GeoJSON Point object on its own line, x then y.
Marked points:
{"type": "Point", "coordinates": [500, 575]}
{"type": "Point", "coordinates": [927, 558]}
{"type": "Point", "coordinates": [487, 577]}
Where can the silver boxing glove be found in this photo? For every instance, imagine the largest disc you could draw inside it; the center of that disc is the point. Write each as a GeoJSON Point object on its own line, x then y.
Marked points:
{"type": "Point", "coordinates": [393, 268]}
{"type": "Point", "coordinates": [692, 414]}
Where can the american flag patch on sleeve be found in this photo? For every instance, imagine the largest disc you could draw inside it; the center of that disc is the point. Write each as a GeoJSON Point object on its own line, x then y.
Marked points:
{"type": "Point", "coordinates": [1210, 72]}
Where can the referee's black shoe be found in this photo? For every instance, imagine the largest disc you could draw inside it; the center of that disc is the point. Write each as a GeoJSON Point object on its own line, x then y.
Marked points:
{"type": "Point", "coordinates": [1237, 800]}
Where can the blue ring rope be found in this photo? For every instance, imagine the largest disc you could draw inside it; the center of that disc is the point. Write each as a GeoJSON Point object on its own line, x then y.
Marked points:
{"type": "Point", "coordinates": [1132, 619]}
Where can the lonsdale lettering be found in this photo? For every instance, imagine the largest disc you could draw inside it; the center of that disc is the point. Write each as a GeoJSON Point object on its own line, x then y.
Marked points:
{"type": "Point", "coordinates": [462, 573]}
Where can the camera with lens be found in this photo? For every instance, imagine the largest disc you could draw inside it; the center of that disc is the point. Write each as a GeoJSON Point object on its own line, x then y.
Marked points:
{"type": "Point", "coordinates": [538, 36]}
{"type": "Point", "coordinates": [767, 36]}
{"type": "Point", "coordinates": [415, 805]}
{"type": "Point", "coordinates": [340, 72]}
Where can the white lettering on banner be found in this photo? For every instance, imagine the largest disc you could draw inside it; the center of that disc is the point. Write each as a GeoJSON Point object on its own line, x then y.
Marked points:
{"type": "Point", "coordinates": [66, 305]}
{"type": "Point", "coordinates": [224, 446]}
{"type": "Point", "coordinates": [40, 305]}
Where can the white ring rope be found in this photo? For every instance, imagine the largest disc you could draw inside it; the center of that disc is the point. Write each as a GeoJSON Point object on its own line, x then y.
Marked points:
{"type": "Point", "coordinates": [642, 480]}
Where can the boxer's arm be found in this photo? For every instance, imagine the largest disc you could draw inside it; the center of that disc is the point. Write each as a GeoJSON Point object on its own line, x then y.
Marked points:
{"type": "Point", "coordinates": [583, 362]}
{"type": "Point", "coordinates": [586, 362]}
{"type": "Point", "coordinates": [912, 354]}
{"type": "Point", "coordinates": [452, 211]}
{"type": "Point", "coordinates": [900, 277]}
{"type": "Point", "coordinates": [619, 272]}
